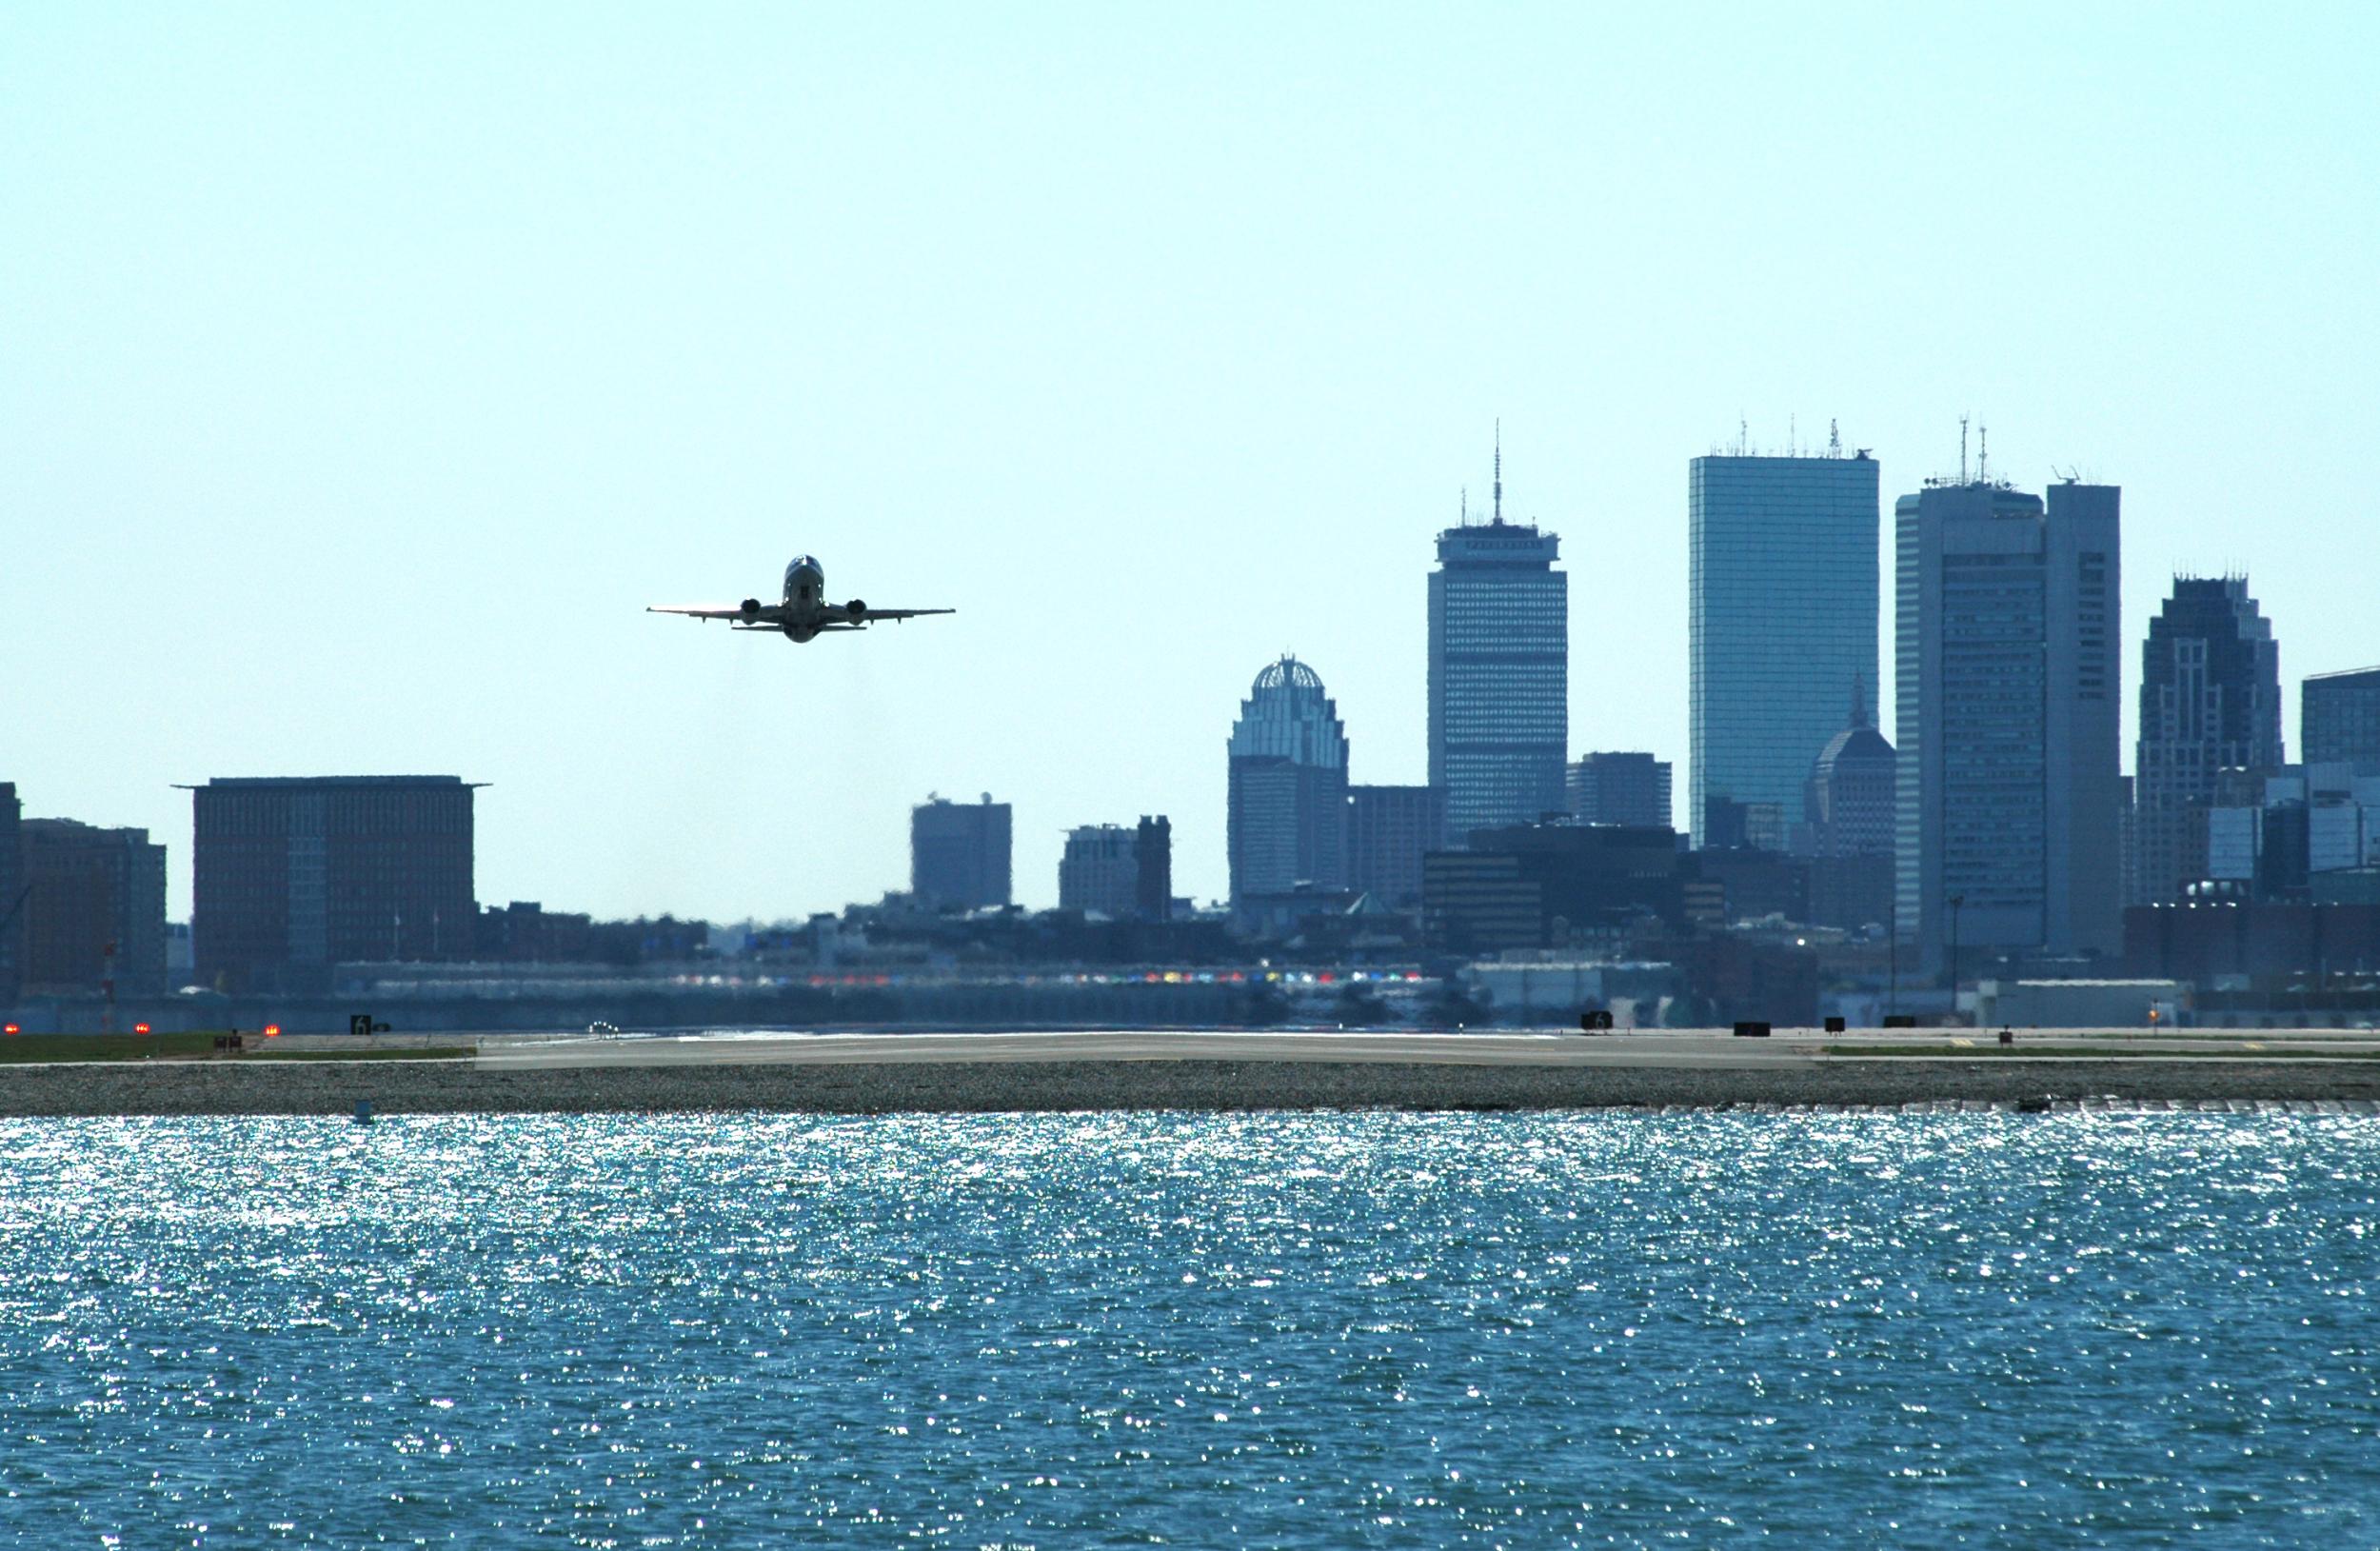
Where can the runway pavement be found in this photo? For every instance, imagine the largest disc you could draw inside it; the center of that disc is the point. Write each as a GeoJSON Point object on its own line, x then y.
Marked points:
{"type": "Point", "coordinates": [1681, 1049]}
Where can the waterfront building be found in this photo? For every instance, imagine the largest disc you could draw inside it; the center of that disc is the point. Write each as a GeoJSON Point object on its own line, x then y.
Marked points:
{"type": "Point", "coordinates": [2339, 718]}
{"type": "Point", "coordinates": [94, 908]}
{"type": "Point", "coordinates": [1781, 618]}
{"type": "Point", "coordinates": [1287, 820]}
{"type": "Point", "coordinates": [291, 875]}
{"type": "Point", "coordinates": [2209, 702]}
{"type": "Point", "coordinates": [1499, 672]}
{"type": "Point", "coordinates": [1389, 830]}
{"type": "Point", "coordinates": [2009, 674]}
{"type": "Point", "coordinates": [1619, 788]}
{"type": "Point", "coordinates": [959, 853]}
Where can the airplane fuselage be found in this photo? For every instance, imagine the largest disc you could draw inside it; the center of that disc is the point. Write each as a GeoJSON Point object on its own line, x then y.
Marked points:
{"type": "Point", "coordinates": [805, 595]}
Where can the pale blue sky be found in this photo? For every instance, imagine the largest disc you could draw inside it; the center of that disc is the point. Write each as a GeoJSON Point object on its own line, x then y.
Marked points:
{"type": "Point", "coordinates": [365, 372]}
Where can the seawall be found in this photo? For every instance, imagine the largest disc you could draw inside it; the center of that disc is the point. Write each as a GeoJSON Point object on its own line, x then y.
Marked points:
{"type": "Point", "coordinates": [395, 1087]}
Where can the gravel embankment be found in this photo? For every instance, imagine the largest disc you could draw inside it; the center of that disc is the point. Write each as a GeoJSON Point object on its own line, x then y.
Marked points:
{"type": "Point", "coordinates": [461, 1086]}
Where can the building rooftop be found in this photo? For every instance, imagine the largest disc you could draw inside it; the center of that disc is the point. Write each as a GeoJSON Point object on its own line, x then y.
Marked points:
{"type": "Point", "coordinates": [251, 782]}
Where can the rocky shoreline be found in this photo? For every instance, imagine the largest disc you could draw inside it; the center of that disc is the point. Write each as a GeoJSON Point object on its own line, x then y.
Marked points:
{"type": "Point", "coordinates": [398, 1087]}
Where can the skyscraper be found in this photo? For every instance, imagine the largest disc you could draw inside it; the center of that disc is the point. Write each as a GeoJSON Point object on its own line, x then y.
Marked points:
{"type": "Point", "coordinates": [1620, 789]}
{"type": "Point", "coordinates": [959, 853]}
{"type": "Point", "coordinates": [2209, 700]}
{"type": "Point", "coordinates": [1782, 611]}
{"type": "Point", "coordinates": [291, 875]}
{"type": "Point", "coordinates": [2339, 718]}
{"type": "Point", "coordinates": [1848, 819]}
{"type": "Point", "coordinates": [2006, 625]}
{"type": "Point", "coordinates": [1499, 672]}
{"type": "Point", "coordinates": [1848, 802]}
{"type": "Point", "coordinates": [1288, 785]}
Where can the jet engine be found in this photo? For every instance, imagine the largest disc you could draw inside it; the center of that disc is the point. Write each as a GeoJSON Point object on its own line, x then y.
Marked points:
{"type": "Point", "coordinates": [750, 606]}
{"type": "Point", "coordinates": [857, 609]}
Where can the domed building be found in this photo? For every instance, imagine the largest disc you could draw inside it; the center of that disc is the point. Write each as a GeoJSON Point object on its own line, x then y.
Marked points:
{"type": "Point", "coordinates": [1288, 811]}
{"type": "Point", "coordinates": [1848, 805]}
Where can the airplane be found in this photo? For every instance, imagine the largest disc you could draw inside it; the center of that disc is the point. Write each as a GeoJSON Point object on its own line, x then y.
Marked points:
{"type": "Point", "coordinates": [805, 612]}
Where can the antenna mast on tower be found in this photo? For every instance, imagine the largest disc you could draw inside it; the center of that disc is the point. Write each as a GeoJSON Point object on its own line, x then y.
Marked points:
{"type": "Point", "coordinates": [1962, 449]}
{"type": "Point", "coordinates": [1499, 469]}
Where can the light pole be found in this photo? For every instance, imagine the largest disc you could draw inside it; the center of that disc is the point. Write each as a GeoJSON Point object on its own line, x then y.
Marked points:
{"type": "Point", "coordinates": [1892, 952]}
{"type": "Point", "coordinates": [1956, 900]}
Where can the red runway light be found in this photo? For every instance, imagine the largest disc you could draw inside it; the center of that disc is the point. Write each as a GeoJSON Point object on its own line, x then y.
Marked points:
{"type": "Point", "coordinates": [14, 1028]}
{"type": "Point", "coordinates": [140, 1028]}
{"type": "Point", "coordinates": [272, 1031]}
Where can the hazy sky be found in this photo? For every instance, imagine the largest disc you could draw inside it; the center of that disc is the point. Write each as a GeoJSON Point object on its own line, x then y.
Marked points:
{"type": "Point", "coordinates": [365, 372]}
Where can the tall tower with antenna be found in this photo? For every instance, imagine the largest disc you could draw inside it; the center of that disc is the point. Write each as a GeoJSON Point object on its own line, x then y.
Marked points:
{"type": "Point", "coordinates": [1499, 670]}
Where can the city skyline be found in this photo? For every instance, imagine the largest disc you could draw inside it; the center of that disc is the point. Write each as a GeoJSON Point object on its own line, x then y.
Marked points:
{"type": "Point", "coordinates": [359, 409]}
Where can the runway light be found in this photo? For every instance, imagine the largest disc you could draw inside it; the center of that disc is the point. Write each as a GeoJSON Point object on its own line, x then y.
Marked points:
{"type": "Point", "coordinates": [272, 1031]}
{"type": "Point", "coordinates": [15, 1028]}
{"type": "Point", "coordinates": [140, 1028]}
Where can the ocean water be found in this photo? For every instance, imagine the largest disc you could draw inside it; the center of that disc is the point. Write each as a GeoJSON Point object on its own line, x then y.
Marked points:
{"type": "Point", "coordinates": [1594, 1328]}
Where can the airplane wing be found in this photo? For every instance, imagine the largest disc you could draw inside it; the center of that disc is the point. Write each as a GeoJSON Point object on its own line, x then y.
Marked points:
{"type": "Point", "coordinates": [771, 615]}
{"type": "Point", "coordinates": [871, 614]}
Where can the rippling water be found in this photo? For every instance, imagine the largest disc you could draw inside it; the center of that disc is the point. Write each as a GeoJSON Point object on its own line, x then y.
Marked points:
{"type": "Point", "coordinates": [1359, 1329]}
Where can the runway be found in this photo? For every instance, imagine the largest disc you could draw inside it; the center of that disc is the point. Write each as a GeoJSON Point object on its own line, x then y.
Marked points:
{"type": "Point", "coordinates": [1361, 1048]}
{"type": "Point", "coordinates": [1225, 1070]}
{"type": "Point", "coordinates": [1666, 1048]}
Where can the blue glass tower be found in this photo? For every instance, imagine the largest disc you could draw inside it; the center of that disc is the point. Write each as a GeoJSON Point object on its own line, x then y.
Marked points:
{"type": "Point", "coordinates": [1782, 601]}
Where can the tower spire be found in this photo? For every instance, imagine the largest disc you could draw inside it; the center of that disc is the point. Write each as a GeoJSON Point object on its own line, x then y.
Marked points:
{"type": "Point", "coordinates": [1499, 469]}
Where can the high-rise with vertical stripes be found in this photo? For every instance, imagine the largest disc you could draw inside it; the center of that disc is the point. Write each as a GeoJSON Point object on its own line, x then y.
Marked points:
{"type": "Point", "coordinates": [1499, 672]}
{"type": "Point", "coordinates": [1782, 613]}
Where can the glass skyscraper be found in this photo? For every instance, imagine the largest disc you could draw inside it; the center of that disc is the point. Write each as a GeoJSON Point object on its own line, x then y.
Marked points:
{"type": "Point", "coordinates": [1288, 788]}
{"type": "Point", "coordinates": [1782, 613]}
{"type": "Point", "coordinates": [1499, 673]}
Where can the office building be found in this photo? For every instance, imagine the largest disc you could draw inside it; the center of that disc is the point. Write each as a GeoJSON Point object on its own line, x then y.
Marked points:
{"type": "Point", "coordinates": [2339, 718]}
{"type": "Point", "coordinates": [2007, 622]}
{"type": "Point", "coordinates": [94, 909]}
{"type": "Point", "coordinates": [2290, 834]}
{"type": "Point", "coordinates": [1122, 873]}
{"type": "Point", "coordinates": [1499, 672]}
{"type": "Point", "coordinates": [959, 853]}
{"type": "Point", "coordinates": [12, 896]}
{"type": "Point", "coordinates": [1554, 885]}
{"type": "Point", "coordinates": [1781, 620]}
{"type": "Point", "coordinates": [2209, 702]}
{"type": "Point", "coordinates": [1288, 787]}
{"type": "Point", "coordinates": [1389, 830]}
{"type": "Point", "coordinates": [291, 875]}
{"type": "Point", "coordinates": [1153, 873]}
{"type": "Point", "coordinates": [1619, 788]}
